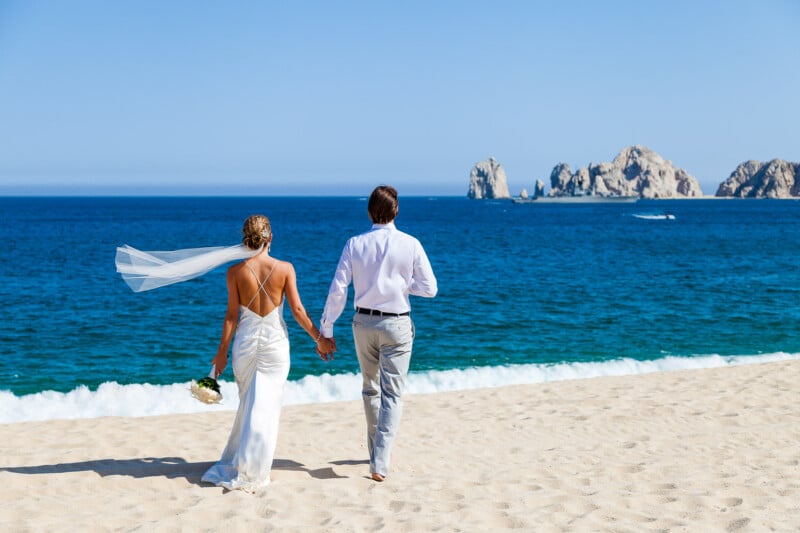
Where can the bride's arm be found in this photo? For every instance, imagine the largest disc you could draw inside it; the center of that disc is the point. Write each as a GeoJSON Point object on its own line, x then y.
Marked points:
{"type": "Point", "coordinates": [229, 324]}
{"type": "Point", "coordinates": [325, 347]}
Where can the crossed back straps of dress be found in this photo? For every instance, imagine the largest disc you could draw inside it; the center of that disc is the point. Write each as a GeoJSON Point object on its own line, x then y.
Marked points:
{"type": "Point", "coordinates": [262, 288]}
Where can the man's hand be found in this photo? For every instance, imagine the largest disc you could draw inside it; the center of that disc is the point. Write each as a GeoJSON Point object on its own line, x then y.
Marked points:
{"type": "Point", "coordinates": [325, 348]}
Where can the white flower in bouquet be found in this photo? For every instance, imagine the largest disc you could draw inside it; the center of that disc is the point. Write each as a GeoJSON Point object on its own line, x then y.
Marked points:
{"type": "Point", "coordinates": [207, 389]}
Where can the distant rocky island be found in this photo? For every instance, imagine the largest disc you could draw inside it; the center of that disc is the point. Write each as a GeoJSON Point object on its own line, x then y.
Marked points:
{"type": "Point", "coordinates": [488, 180]}
{"type": "Point", "coordinates": [636, 171]}
{"type": "Point", "coordinates": [753, 179]}
{"type": "Point", "coordinates": [639, 172]}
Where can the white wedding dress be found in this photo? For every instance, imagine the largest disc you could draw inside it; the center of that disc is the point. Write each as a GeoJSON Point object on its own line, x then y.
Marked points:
{"type": "Point", "coordinates": [260, 360]}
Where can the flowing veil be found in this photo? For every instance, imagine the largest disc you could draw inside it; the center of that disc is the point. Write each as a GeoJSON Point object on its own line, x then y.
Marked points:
{"type": "Point", "coordinates": [143, 271]}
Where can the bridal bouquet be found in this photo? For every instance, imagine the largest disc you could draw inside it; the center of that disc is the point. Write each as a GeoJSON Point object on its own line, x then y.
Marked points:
{"type": "Point", "coordinates": [207, 389]}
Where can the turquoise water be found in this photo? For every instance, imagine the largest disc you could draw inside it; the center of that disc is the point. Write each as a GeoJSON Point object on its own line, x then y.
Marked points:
{"type": "Point", "coordinates": [538, 285]}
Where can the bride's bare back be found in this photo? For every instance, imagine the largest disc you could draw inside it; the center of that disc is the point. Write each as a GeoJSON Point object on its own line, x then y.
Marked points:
{"type": "Point", "coordinates": [260, 283]}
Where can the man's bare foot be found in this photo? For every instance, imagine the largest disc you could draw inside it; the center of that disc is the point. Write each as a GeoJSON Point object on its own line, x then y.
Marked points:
{"type": "Point", "coordinates": [377, 477]}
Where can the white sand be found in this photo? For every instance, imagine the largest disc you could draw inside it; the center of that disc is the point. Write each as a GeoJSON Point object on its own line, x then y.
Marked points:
{"type": "Point", "coordinates": [698, 450]}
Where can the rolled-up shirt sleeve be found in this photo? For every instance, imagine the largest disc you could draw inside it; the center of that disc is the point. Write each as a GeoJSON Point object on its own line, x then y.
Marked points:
{"type": "Point", "coordinates": [424, 282]}
{"type": "Point", "coordinates": [337, 294]}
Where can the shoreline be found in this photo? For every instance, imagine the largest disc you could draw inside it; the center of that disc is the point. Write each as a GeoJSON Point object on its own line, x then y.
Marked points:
{"type": "Point", "coordinates": [144, 399]}
{"type": "Point", "coordinates": [707, 449]}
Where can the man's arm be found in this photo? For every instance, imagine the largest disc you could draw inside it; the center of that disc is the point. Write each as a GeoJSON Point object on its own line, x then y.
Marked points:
{"type": "Point", "coordinates": [424, 282]}
{"type": "Point", "coordinates": [337, 294]}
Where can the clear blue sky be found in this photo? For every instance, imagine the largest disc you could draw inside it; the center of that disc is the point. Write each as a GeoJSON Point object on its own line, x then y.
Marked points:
{"type": "Point", "coordinates": [309, 98]}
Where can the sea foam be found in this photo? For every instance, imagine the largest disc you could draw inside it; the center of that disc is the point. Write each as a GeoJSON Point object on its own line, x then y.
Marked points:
{"type": "Point", "coordinates": [113, 399]}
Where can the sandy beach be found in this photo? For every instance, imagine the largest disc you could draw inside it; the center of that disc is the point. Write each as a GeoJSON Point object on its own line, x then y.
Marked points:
{"type": "Point", "coordinates": [697, 450]}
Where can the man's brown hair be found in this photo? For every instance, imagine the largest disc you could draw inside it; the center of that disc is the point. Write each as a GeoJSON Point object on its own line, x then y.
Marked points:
{"type": "Point", "coordinates": [382, 205]}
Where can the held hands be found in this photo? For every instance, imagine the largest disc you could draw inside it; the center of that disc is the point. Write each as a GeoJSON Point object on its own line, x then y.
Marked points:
{"type": "Point", "coordinates": [325, 348]}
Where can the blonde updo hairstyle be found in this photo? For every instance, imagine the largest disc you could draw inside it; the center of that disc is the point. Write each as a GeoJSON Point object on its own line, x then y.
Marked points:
{"type": "Point", "coordinates": [256, 232]}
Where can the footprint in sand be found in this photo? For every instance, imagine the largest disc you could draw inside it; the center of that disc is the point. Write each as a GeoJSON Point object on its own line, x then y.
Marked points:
{"type": "Point", "coordinates": [666, 486]}
{"type": "Point", "coordinates": [732, 502]}
{"type": "Point", "coordinates": [633, 469]}
{"type": "Point", "coordinates": [737, 524]}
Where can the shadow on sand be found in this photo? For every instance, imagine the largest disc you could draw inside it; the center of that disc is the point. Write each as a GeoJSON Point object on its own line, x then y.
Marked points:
{"type": "Point", "coordinates": [169, 467]}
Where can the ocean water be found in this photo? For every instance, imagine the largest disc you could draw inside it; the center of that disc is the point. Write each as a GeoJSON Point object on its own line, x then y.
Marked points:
{"type": "Point", "coordinates": [527, 293]}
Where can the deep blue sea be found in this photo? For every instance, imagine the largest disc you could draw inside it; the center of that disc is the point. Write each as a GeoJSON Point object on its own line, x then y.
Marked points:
{"type": "Point", "coordinates": [527, 293]}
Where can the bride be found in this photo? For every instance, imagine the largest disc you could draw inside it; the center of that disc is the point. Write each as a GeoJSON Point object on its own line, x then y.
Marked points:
{"type": "Point", "coordinates": [257, 289]}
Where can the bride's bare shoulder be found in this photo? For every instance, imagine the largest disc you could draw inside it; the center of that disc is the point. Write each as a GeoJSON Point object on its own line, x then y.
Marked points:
{"type": "Point", "coordinates": [235, 269]}
{"type": "Point", "coordinates": [282, 266]}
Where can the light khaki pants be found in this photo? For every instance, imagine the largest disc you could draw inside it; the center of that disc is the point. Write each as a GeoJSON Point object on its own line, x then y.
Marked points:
{"type": "Point", "coordinates": [383, 346]}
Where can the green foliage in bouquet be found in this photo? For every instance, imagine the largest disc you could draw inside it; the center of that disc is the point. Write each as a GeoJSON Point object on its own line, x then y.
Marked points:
{"type": "Point", "coordinates": [209, 383]}
{"type": "Point", "coordinates": [206, 390]}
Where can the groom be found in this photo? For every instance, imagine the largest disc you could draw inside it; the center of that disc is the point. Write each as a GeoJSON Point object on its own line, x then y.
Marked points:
{"type": "Point", "coordinates": [385, 266]}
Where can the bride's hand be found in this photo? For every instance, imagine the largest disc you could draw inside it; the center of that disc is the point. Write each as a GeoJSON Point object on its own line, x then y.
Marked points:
{"type": "Point", "coordinates": [220, 362]}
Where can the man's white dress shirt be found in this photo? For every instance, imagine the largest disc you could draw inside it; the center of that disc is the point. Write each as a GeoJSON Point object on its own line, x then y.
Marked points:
{"type": "Point", "coordinates": [385, 266]}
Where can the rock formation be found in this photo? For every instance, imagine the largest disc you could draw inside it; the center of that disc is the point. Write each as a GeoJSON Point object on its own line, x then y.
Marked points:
{"type": "Point", "coordinates": [488, 180]}
{"type": "Point", "coordinates": [636, 171]}
{"type": "Point", "coordinates": [539, 190]}
{"type": "Point", "coordinates": [753, 179]}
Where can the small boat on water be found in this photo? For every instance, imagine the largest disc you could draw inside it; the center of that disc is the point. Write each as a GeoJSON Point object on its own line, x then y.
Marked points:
{"type": "Point", "coordinates": [654, 216]}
